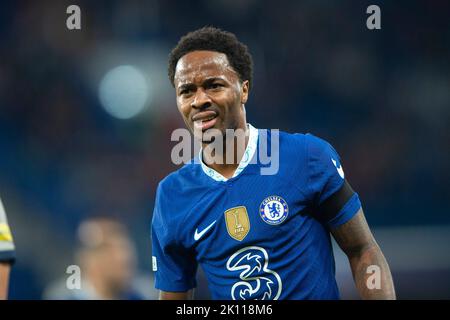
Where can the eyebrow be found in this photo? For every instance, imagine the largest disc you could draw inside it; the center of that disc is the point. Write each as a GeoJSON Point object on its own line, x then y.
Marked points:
{"type": "Point", "coordinates": [206, 82]}
{"type": "Point", "coordinates": [186, 86]}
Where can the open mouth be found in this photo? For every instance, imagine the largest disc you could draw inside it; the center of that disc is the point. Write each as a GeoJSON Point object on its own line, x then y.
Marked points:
{"type": "Point", "coordinates": [204, 120]}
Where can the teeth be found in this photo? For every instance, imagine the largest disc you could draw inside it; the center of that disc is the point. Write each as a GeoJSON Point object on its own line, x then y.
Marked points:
{"type": "Point", "coordinates": [207, 119]}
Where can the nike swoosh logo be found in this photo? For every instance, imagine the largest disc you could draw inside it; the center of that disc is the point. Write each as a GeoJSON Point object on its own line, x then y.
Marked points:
{"type": "Point", "coordinates": [198, 235]}
{"type": "Point", "coordinates": [339, 169]}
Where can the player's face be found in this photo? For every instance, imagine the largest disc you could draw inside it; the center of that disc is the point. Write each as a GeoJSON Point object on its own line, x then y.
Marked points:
{"type": "Point", "coordinates": [209, 92]}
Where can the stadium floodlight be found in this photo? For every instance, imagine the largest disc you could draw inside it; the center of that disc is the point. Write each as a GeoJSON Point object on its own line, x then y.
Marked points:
{"type": "Point", "coordinates": [124, 92]}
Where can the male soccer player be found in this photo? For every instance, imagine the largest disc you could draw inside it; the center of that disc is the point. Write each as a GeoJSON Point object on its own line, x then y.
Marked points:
{"type": "Point", "coordinates": [256, 236]}
{"type": "Point", "coordinates": [7, 253]}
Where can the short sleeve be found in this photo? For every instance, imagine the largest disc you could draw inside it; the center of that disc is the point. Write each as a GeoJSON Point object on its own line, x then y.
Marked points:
{"type": "Point", "coordinates": [333, 199]}
{"type": "Point", "coordinates": [174, 265]}
{"type": "Point", "coordinates": [7, 249]}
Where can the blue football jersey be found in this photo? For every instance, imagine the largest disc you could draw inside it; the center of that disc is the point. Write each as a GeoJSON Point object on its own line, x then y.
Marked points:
{"type": "Point", "coordinates": [256, 236]}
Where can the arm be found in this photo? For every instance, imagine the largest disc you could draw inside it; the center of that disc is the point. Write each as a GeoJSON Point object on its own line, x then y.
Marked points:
{"type": "Point", "coordinates": [4, 279]}
{"type": "Point", "coordinates": [165, 295]}
{"type": "Point", "coordinates": [174, 263]}
{"type": "Point", "coordinates": [356, 240]}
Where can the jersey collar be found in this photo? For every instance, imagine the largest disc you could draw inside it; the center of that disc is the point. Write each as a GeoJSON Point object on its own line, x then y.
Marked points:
{"type": "Point", "coordinates": [248, 155]}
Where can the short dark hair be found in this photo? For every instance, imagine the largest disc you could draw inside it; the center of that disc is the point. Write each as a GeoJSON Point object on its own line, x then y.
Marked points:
{"type": "Point", "coordinates": [214, 39]}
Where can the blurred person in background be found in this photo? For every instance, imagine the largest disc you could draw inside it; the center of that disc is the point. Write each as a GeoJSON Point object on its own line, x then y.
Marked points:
{"type": "Point", "coordinates": [107, 259]}
{"type": "Point", "coordinates": [7, 253]}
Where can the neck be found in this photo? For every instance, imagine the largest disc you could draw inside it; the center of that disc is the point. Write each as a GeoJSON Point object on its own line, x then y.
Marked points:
{"type": "Point", "coordinates": [225, 157]}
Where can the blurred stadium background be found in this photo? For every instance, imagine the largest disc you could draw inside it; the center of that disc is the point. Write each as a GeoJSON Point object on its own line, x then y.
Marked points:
{"type": "Point", "coordinates": [86, 118]}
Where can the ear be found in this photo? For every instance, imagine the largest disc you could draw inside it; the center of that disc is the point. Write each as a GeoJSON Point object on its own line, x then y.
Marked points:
{"type": "Point", "coordinates": [244, 91]}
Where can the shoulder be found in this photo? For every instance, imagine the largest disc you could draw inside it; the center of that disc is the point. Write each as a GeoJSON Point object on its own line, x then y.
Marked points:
{"type": "Point", "coordinates": [178, 192]}
{"type": "Point", "coordinates": [288, 142]}
{"type": "Point", "coordinates": [315, 145]}
{"type": "Point", "coordinates": [287, 153]}
{"type": "Point", "coordinates": [181, 180]}
{"type": "Point", "coordinates": [303, 140]}
{"type": "Point", "coordinates": [301, 146]}
{"type": "Point", "coordinates": [320, 152]}
{"type": "Point", "coordinates": [305, 156]}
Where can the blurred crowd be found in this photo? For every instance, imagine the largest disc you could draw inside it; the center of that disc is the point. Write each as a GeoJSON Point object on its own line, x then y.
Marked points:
{"type": "Point", "coordinates": [381, 97]}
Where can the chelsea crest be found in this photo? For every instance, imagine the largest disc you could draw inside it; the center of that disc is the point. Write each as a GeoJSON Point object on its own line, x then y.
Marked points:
{"type": "Point", "coordinates": [273, 210]}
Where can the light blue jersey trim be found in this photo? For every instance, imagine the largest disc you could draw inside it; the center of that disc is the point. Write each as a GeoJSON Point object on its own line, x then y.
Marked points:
{"type": "Point", "coordinates": [248, 155]}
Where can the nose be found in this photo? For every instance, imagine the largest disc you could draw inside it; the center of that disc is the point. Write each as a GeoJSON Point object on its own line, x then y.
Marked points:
{"type": "Point", "coordinates": [201, 100]}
